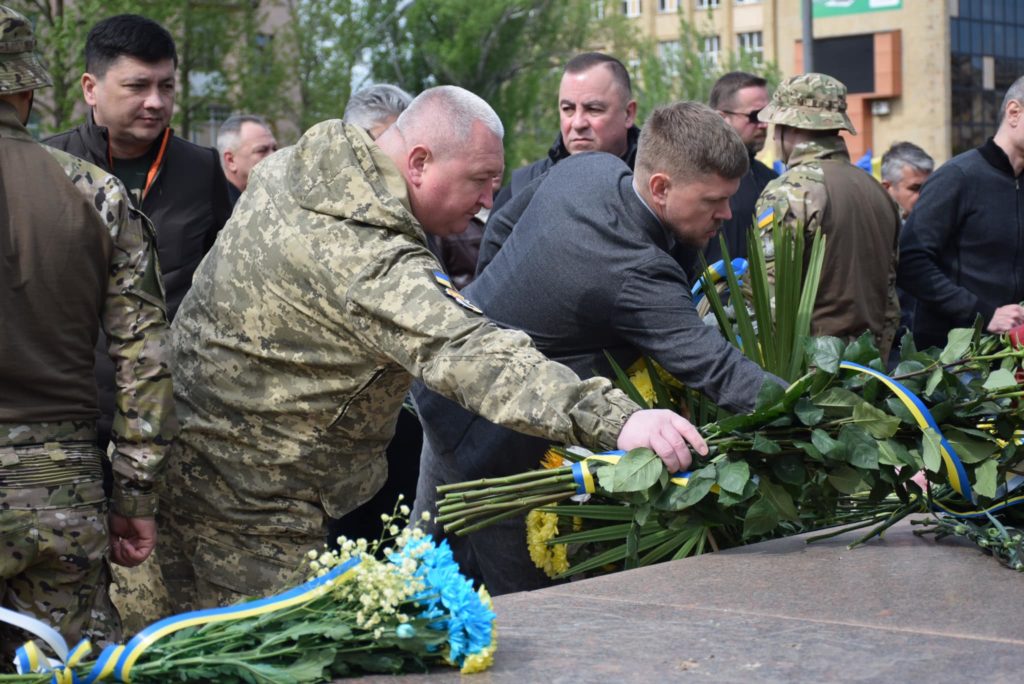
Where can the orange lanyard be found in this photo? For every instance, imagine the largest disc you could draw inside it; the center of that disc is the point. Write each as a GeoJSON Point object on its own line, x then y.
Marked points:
{"type": "Point", "coordinates": [154, 168]}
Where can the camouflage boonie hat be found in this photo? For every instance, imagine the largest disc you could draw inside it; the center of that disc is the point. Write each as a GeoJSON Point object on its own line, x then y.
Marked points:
{"type": "Point", "coordinates": [20, 67]}
{"type": "Point", "coordinates": [812, 101]}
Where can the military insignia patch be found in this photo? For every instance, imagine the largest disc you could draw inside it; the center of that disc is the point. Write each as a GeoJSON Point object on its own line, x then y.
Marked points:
{"type": "Point", "coordinates": [766, 218]}
{"type": "Point", "coordinates": [446, 286]}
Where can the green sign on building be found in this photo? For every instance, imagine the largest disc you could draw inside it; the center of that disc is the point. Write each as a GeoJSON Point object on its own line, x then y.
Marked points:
{"type": "Point", "coordinates": [836, 8]}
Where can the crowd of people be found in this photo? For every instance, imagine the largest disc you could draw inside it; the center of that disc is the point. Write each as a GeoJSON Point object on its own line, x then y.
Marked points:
{"type": "Point", "coordinates": [217, 344]}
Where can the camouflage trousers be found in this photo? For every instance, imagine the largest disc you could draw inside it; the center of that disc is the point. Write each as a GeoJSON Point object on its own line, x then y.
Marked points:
{"type": "Point", "coordinates": [53, 527]}
{"type": "Point", "coordinates": [205, 566]}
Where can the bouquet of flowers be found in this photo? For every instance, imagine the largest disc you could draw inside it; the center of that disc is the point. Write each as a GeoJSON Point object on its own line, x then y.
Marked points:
{"type": "Point", "coordinates": [394, 605]}
{"type": "Point", "coordinates": [846, 444]}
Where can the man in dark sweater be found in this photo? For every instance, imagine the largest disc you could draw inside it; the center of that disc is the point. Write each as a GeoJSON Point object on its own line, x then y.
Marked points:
{"type": "Point", "coordinates": [588, 270]}
{"type": "Point", "coordinates": [962, 248]}
{"type": "Point", "coordinates": [739, 97]}
{"type": "Point", "coordinates": [596, 110]}
{"type": "Point", "coordinates": [129, 86]}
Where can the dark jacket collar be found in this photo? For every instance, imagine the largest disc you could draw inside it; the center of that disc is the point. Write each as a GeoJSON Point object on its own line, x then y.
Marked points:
{"type": "Point", "coordinates": [558, 152]}
{"type": "Point", "coordinates": [96, 139]}
{"type": "Point", "coordinates": [996, 157]}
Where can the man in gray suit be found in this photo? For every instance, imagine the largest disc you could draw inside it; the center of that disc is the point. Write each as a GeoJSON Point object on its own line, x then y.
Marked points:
{"type": "Point", "coordinates": [588, 270]}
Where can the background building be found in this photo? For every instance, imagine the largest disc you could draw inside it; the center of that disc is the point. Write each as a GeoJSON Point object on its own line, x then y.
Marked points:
{"type": "Point", "coordinates": [930, 71]}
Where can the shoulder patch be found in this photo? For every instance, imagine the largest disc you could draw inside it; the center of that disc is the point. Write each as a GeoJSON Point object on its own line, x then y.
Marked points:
{"type": "Point", "coordinates": [446, 286]}
{"type": "Point", "coordinates": [766, 217]}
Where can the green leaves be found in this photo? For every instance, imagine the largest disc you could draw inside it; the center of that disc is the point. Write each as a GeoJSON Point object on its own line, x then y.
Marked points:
{"type": "Point", "coordinates": [985, 477]}
{"type": "Point", "coordinates": [876, 421]}
{"type": "Point", "coordinates": [931, 450]}
{"type": "Point", "coordinates": [733, 476]}
{"type": "Point", "coordinates": [957, 344]}
{"type": "Point", "coordinates": [824, 352]}
{"type": "Point", "coordinates": [637, 471]}
{"type": "Point", "coordinates": [1000, 379]}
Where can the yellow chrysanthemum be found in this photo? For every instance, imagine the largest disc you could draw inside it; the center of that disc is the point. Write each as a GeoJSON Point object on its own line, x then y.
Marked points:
{"type": "Point", "coordinates": [478, 662]}
{"type": "Point", "coordinates": [641, 380]}
{"type": "Point", "coordinates": [552, 459]}
{"type": "Point", "coordinates": [542, 527]}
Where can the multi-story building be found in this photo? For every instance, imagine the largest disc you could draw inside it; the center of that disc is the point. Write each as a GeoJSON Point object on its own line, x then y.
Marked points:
{"type": "Point", "coordinates": [930, 71]}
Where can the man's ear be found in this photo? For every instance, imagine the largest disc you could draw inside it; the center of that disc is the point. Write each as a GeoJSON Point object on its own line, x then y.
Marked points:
{"type": "Point", "coordinates": [89, 88]}
{"type": "Point", "coordinates": [659, 184]}
{"type": "Point", "coordinates": [630, 113]}
{"type": "Point", "coordinates": [229, 161]}
{"type": "Point", "coordinates": [886, 184]}
{"type": "Point", "coordinates": [417, 160]}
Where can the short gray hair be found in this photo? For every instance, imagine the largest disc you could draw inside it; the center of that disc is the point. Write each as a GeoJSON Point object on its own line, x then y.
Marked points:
{"type": "Point", "coordinates": [230, 131]}
{"type": "Point", "coordinates": [688, 140]}
{"type": "Point", "coordinates": [445, 115]}
{"type": "Point", "coordinates": [375, 104]}
{"type": "Point", "coordinates": [905, 154]}
{"type": "Point", "coordinates": [1014, 92]}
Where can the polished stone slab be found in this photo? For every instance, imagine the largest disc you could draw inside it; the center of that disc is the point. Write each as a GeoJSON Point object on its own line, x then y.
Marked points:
{"type": "Point", "coordinates": [897, 609]}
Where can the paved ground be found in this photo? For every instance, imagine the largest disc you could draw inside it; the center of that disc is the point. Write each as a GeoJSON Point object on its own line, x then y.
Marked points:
{"type": "Point", "coordinates": [901, 609]}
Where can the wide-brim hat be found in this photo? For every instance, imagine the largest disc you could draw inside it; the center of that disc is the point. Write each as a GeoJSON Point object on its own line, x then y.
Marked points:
{"type": "Point", "coordinates": [20, 72]}
{"type": "Point", "coordinates": [812, 101]}
{"type": "Point", "coordinates": [20, 67]}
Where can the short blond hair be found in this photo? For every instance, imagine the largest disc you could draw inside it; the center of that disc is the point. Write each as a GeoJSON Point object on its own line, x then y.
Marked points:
{"type": "Point", "coordinates": [688, 140]}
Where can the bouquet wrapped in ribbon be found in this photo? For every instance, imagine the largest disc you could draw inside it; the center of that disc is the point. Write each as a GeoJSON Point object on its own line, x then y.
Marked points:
{"type": "Point", "coordinates": [391, 606]}
{"type": "Point", "coordinates": [846, 444]}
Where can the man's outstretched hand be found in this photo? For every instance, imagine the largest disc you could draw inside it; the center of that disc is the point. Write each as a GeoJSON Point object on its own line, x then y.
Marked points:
{"type": "Point", "coordinates": [131, 539]}
{"type": "Point", "coordinates": [670, 436]}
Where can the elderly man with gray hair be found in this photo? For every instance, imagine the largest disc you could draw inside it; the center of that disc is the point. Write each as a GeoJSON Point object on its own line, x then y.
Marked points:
{"type": "Point", "coordinates": [376, 107]}
{"type": "Point", "coordinates": [905, 168]}
{"type": "Point", "coordinates": [962, 248]}
{"type": "Point", "coordinates": [588, 270]}
{"type": "Point", "coordinates": [242, 142]}
{"type": "Point", "coordinates": [307, 323]}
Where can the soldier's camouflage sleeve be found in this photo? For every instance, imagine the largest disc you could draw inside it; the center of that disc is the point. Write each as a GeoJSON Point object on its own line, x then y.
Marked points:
{"type": "Point", "coordinates": [796, 199]}
{"type": "Point", "coordinates": [401, 307]}
{"type": "Point", "coordinates": [139, 342]}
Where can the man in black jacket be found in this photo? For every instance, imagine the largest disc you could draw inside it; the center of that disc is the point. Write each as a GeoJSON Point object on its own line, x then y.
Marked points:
{"type": "Point", "coordinates": [962, 248]}
{"type": "Point", "coordinates": [739, 97]}
{"type": "Point", "coordinates": [588, 270]}
{"type": "Point", "coordinates": [129, 86]}
{"type": "Point", "coordinates": [597, 110]}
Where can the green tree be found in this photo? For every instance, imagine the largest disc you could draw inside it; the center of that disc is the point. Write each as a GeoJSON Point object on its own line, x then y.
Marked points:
{"type": "Point", "coordinates": [509, 52]}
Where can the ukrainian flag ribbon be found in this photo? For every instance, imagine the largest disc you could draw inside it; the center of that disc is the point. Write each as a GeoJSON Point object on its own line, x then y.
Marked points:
{"type": "Point", "coordinates": [954, 466]}
{"type": "Point", "coordinates": [715, 273]}
{"type": "Point", "coordinates": [117, 660]}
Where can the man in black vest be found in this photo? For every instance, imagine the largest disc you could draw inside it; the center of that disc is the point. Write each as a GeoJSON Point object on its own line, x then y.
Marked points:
{"type": "Point", "coordinates": [129, 86]}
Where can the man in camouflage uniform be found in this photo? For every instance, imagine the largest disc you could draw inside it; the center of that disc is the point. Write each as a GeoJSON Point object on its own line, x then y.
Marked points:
{"type": "Point", "coordinates": [823, 191]}
{"type": "Point", "coordinates": [75, 256]}
{"type": "Point", "coordinates": [306, 325]}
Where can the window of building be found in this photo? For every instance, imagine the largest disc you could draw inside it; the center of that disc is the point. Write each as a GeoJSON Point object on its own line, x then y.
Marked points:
{"type": "Point", "coordinates": [746, 2]}
{"type": "Point", "coordinates": [712, 47]}
{"type": "Point", "coordinates": [751, 43]}
{"type": "Point", "coordinates": [631, 8]}
{"type": "Point", "coordinates": [707, 4]}
{"type": "Point", "coordinates": [668, 6]}
{"type": "Point", "coordinates": [598, 8]}
{"type": "Point", "coordinates": [987, 54]}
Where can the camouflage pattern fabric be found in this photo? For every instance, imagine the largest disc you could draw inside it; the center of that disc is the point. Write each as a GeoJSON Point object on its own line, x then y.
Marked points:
{"type": "Point", "coordinates": [303, 330]}
{"type": "Point", "coordinates": [811, 101]}
{"type": "Point", "coordinates": [135, 322]}
{"type": "Point", "coordinates": [54, 536]}
{"type": "Point", "coordinates": [799, 199]}
{"type": "Point", "coordinates": [20, 67]}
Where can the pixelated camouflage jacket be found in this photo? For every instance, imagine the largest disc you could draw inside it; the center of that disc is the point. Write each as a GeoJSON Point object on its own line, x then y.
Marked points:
{"type": "Point", "coordinates": [858, 284]}
{"type": "Point", "coordinates": [305, 327]}
{"type": "Point", "coordinates": [135, 321]}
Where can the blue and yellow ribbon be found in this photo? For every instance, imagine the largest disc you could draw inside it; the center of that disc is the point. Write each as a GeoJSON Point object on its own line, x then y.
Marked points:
{"type": "Point", "coordinates": [117, 660]}
{"type": "Point", "coordinates": [584, 477]}
{"type": "Point", "coordinates": [715, 273]}
{"type": "Point", "coordinates": [922, 416]}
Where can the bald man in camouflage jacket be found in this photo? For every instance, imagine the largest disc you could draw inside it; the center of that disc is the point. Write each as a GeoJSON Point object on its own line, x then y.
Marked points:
{"type": "Point", "coordinates": [306, 325]}
{"type": "Point", "coordinates": [823, 191]}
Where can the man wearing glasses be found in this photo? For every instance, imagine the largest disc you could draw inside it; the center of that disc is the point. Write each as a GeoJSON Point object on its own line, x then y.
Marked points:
{"type": "Point", "coordinates": [738, 97]}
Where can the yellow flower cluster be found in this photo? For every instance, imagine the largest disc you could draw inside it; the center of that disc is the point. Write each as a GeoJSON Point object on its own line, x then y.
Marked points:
{"type": "Point", "coordinates": [478, 662]}
{"type": "Point", "coordinates": [542, 527]}
{"type": "Point", "coordinates": [641, 379]}
{"type": "Point", "coordinates": [379, 590]}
